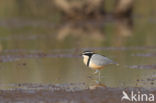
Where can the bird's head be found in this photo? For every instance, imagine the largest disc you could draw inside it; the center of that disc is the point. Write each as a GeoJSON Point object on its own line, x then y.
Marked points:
{"type": "Point", "coordinates": [87, 54]}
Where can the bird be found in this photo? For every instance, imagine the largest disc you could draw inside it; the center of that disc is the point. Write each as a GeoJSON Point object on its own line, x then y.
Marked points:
{"type": "Point", "coordinates": [96, 61]}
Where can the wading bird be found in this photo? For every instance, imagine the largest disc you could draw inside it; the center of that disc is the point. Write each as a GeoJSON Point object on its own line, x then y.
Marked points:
{"type": "Point", "coordinates": [96, 61]}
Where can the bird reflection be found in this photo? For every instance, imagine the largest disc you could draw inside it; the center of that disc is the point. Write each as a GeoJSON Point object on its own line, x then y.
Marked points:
{"type": "Point", "coordinates": [97, 85]}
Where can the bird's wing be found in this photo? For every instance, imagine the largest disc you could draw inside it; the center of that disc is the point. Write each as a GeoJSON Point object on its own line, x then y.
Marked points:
{"type": "Point", "coordinates": [101, 60]}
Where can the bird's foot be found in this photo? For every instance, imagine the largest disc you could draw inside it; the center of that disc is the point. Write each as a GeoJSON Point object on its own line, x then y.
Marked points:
{"type": "Point", "coordinates": [97, 81]}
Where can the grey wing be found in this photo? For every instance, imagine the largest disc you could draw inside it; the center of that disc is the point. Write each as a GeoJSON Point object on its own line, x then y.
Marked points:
{"type": "Point", "coordinates": [101, 60]}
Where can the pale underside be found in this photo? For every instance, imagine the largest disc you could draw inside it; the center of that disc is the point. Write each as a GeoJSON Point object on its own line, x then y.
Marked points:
{"type": "Point", "coordinates": [97, 61]}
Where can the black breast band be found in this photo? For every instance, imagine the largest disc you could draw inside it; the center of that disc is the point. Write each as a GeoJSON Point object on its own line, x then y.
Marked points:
{"type": "Point", "coordinates": [88, 62]}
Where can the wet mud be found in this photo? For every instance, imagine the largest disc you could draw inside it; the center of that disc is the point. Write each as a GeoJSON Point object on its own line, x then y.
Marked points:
{"type": "Point", "coordinates": [68, 93]}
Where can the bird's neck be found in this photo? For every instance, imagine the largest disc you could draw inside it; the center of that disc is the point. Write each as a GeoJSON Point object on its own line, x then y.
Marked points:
{"type": "Point", "coordinates": [85, 59]}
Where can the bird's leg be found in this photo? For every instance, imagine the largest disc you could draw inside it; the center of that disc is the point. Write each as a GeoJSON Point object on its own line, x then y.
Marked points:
{"type": "Point", "coordinates": [99, 76]}
{"type": "Point", "coordinates": [98, 81]}
{"type": "Point", "coordinates": [97, 71]}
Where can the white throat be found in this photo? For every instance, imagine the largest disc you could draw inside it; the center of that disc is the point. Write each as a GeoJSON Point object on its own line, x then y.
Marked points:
{"type": "Point", "coordinates": [85, 59]}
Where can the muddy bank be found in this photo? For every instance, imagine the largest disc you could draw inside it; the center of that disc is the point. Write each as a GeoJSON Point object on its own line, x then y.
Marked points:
{"type": "Point", "coordinates": [37, 93]}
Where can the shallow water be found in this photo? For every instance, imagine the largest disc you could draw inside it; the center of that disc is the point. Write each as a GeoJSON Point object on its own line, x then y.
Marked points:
{"type": "Point", "coordinates": [58, 95]}
{"type": "Point", "coordinates": [51, 54]}
{"type": "Point", "coordinates": [40, 58]}
{"type": "Point", "coordinates": [35, 48]}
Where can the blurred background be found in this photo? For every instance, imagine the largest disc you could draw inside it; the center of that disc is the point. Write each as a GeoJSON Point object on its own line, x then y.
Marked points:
{"type": "Point", "coordinates": [40, 41]}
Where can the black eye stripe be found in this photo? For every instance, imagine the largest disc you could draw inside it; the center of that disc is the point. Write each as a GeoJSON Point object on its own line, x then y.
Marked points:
{"type": "Point", "coordinates": [87, 53]}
